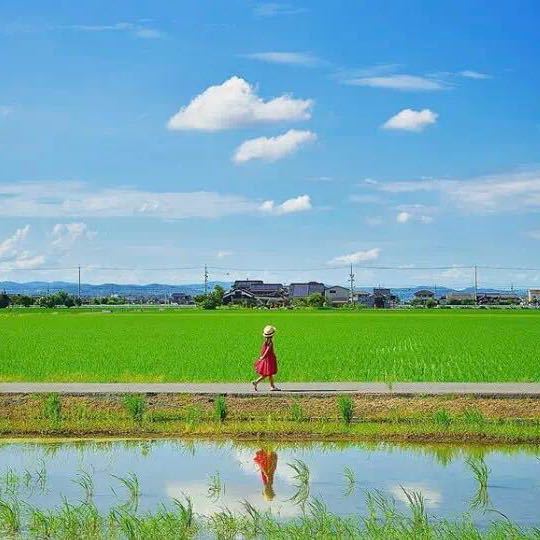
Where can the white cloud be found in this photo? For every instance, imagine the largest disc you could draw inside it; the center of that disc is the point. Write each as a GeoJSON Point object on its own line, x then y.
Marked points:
{"type": "Point", "coordinates": [273, 148]}
{"type": "Point", "coordinates": [134, 29]}
{"type": "Point", "coordinates": [411, 120]}
{"type": "Point", "coordinates": [5, 110]}
{"type": "Point", "coordinates": [77, 200]}
{"type": "Point", "coordinates": [235, 103]}
{"type": "Point", "coordinates": [357, 257]}
{"type": "Point", "coordinates": [297, 204]}
{"type": "Point", "coordinates": [66, 235]}
{"type": "Point", "coordinates": [288, 58]}
{"type": "Point", "coordinates": [274, 9]}
{"type": "Point", "coordinates": [403, 217]}
{"type": "Point", "coordinates": [400, 82]}
{"type": "Point", "coordinates": [432, 497]}
{"type": "Point", "coordinates": [10, 245]}
{"type": "Point", "coordinates": [223, 253]}
{"type": "Point", "coordinates": [471, 74]}
{"type": "Point", "coordinates": [534, 234]}
{"type": "Point", "coordinates": [12, 254]}
{"type": "Point", "coordinates": [505, 192]}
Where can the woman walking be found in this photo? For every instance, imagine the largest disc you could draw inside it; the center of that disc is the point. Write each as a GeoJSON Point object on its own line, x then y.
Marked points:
{"type": "Point", "coordinates": [266, 364]}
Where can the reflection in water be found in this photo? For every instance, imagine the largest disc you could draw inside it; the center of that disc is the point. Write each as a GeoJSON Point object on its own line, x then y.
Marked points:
{"type": "Point", "coordinates": [451, 480]}
{"type": "Point", "coordinates": [267, 461]}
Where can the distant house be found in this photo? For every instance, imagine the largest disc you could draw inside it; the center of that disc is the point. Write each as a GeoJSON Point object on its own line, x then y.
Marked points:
{"type": "Point", "coordinates": [363, 298]}
{"type": "Point", "coordinates": [384, 298]}
{"type": "Point", "coordinates": [337, 295]}
{"type": "Point", "coordinates": [303, 290]}
{"type": "Point", "coordinates": [457, 297]}
{"type": "Point", "coordinates": [256, 292]}
{"type": "Point", "coordinates": [498, 298]}
{"type": "Point", "coordinates": [534, 296]}
{"type": "Point", "coordinates": [181, 299]}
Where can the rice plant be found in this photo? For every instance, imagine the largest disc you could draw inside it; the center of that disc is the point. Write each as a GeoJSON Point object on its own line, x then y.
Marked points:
{"type": "Point", "coordinates": [473, 416]}
{"type": "Point", "coordinates": [350, 481]}
{"type": "Point", "coordinates": [216, 488]}
{"type": "Point", "coordinates": [135, 406]}
{"type": "Point", "coordinates": [86, 482]}
{"type": "Point", "coordinates": [297, 413]}
{"type": "Point", "coordinates": [346, 409]}
{"type": "Point", "coordinates": [302, 478]}
{"type": "Point", "coordinates": [442, 418]}
{"type": "Point", "coordinates": [392, 346]}
{"type": "Point", "coordinates": [52, 408]}
{"type": "Point", "coordinates": [220, 408]}
{"type": "Point", "coordinates": [131, 483]}
{"type": "Point", "coordinates": [481, 473]}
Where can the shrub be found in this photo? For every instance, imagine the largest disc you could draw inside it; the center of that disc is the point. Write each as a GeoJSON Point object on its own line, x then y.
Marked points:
{"type": "Point", "coordinates": [346, 409]}
{"type": "Point", "coordinates": [135, 406]}
{"type": "Point", "coordinates": [473, 416]}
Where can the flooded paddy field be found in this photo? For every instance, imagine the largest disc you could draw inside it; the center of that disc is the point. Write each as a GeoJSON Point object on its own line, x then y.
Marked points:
{"type": "Point", "coordinates": [146, 476]}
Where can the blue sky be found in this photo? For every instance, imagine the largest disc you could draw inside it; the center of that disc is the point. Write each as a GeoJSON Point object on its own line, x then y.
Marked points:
{"type": "Point", "coordinates": [280, 140]}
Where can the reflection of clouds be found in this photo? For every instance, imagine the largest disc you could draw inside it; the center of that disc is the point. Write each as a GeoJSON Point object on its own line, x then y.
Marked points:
{"type": "Point", "coordinates": [232, 499]}
{"type": "Point", "coordinates": [432, 497]}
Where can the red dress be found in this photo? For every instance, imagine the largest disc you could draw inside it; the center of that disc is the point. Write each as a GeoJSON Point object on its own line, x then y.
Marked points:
{"type": "Point", "coordinates": [267, 363]}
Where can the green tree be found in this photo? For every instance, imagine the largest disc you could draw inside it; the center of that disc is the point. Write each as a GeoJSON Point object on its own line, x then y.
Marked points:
{"type": "Point", "coordinates": [218, 294]}
{"type": "Point", "coordinates": [5, 300]}
{"type": "Point", "coordinates": [316, 300]}
{"type": "Point", "coordinates": [25, 300]}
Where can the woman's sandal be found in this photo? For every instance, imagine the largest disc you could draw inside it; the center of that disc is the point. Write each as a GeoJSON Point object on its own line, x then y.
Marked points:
{"type": "Point", "coordinates": [254, 386]}
{"type": "Point", "coordinates": [275, 389]}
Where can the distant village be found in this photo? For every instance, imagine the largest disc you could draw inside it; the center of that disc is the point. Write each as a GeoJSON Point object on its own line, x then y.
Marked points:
{"type": "Point", "coordinates": [256, 293]}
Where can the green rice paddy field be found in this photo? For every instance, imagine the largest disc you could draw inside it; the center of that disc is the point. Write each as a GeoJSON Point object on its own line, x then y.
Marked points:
{"type": "Point", "coordinates": [204, 346]}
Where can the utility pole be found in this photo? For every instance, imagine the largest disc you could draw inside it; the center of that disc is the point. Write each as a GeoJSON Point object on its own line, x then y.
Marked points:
{"type": "Point", "coordinates": [475, 284]}
{"type": "Point", "coordinates": [351, 281]}
{"type": "Point", "coordinates": [79, 287]}
{"type": "Point", "coordinates": [205, 280]}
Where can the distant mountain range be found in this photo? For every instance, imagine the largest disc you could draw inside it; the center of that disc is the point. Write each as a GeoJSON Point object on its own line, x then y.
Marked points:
{"type": "Point", "coordinates": [37, 288]}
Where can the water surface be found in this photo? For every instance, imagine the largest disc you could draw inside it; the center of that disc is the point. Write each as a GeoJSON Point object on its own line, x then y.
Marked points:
{"type": "Point", "coordinates": [223, 475]}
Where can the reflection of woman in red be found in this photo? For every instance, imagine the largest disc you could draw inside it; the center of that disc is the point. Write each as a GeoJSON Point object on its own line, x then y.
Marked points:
{"type": "Point", "coordinates": [267, 462]}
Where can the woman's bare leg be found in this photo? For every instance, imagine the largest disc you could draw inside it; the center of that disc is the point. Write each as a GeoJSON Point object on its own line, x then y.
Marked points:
{"type": "Point", "coordinates": [272, 385]}
{"type": "Point", "coordinates": [257, 381]}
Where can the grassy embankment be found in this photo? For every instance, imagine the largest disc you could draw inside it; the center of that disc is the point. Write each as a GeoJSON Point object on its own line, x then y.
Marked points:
{"type": "Point", "coordinates": [361, 418]}
{"type": "Point", "coordinates": [201, 346]}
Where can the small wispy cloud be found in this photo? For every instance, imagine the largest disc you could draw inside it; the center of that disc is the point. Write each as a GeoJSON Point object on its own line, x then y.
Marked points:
{"type": "Point", "coordinates": [402, 82]}
{"type": "Point", "coordinates": [275, 9]}
{"type": "Point", "coordinates": [135, 29]}
{"type": "Point", "coordinates": [471, 74]}
{"type": "Point", "coordinates": [223, 253]}
{"type": "Point", "coordinates": [290, 206]}
{"type": "Point", "coordinates": [356, 257]}
{"type": "Point", "coordinates": [411, 120]}
{"type": "Point", "coordinates": [287, 58]}
{"type": "Point", "coordinates": [5, 110]}
{"type": "Point", "coordinates": [273, 148]}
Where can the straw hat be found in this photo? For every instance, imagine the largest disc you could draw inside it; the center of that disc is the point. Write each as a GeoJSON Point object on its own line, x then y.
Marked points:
{"type": "Point", "coordinates": [269, 330]}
